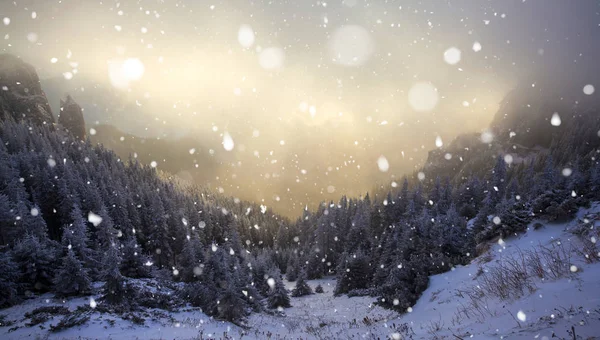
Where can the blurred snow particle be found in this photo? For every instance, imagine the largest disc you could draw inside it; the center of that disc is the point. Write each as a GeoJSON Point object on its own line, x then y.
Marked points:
{"type": "Point", "coordinates": [521, 316]}
{"type": "Point", "coordinates": [573, 268]}
{"type": "Point", "coordinates": [201, 224]}
{"type": "Point", "coordinates": [53, 60]}
{"type": "Point", "coordinates": [175, 272]}
{"type": "Point", "coordinates": [567, 172]}
{"type": "Point", "coordinates": [508, 159]}
{"type": "Point", "coordinates": [396, 336]}
{"type": "Point", "coordinates": [35, 212]}
{"type": "Point", "coordinates": [263, 208]}
{"type": "Point", "coordinates": [555, 121]}
{"type": "Point", "coordinates": [153, 164]}
{"type": "Point", "coordinates": [92, 131]}
{"type": "Point", "coordinates": [496, 220]}
{"type": "Point", "coordinates": [32, 37]}
{"type": "Point", "coordinates": [51, 162]}
{"type": "Point", "coordinates": [192, 151]}
{"type": "Point", "coordinates": [93, 303]}
{"type": "Point", "coordinates": [423, 96]}
{"type": "Point", "coordinates": [487, 137]}
{"type": "Point", "coordinates": [421, 175]}
{"type": "Point", "coordinates": [589, 89]}
{"type": "Point", "coordinates": [438, 142]}
{"type": "Point", "coordinates": [382, 164]}
{"type": "Point", "coordinates": [214, 247]}
{"type": "Point", "coordinates": [452, 56]}
{"type": "Point", "coordinates": [94, 219]}
{"type": "Point", "coordinates": [6, 21]}
{"type": "Point", "coordinates": [227, 141]}
{"type": "Point", "coordinates": [476, 46]}
{"type": "Point", "coordinates": [33, 15]}
{"type": "Point", "coordinates": [331, 189]}
{"type": "Point", "coordinates": [246, 36]}
{"type": "Point", "coordinates": [68, 75]}
{"type": "Point", "coordinates": [271, 58]}
{"type": "Point", "coordinates": [351, 45]}
{"type": "Point", "coordinates": [271, 283]}
{"type": "Point", "coordinates": [409, 309]}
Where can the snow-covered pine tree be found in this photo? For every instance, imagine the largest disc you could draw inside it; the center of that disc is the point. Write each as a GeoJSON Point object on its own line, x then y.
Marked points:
{"type": "Point", "coordinates": [36, 259]}
{"type": "Point", "coordinates": [190, 259]}
{"type": "Point", "coordinates": [278, 294]}
{"type": "Point", "coordinates": [114, 283]}
{"type": "Point", "coordinates": [134, 262]}
{"type": "Point", "coordinates": [71, 278]}
{"type": "Point", "coordinates": [9, 286]}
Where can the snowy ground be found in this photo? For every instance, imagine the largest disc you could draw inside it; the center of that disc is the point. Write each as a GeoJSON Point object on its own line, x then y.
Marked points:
{"type": "Point", "coordinates": [444, 311]}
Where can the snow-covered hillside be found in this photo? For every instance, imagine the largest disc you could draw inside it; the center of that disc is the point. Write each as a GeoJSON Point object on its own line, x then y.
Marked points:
{"type": "Point", "coordinates": [458, 304]}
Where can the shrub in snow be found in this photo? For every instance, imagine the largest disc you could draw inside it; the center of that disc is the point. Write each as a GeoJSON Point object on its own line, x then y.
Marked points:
{"type": "Point", "coordinates": [319, 289]}
{"type": "Point", "coordinates": [302, 288]}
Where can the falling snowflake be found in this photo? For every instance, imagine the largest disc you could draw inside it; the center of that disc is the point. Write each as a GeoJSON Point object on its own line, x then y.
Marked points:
{"type": "Point", "coordinates": [94, 219]}
{"type": "Point", "coordinates": [555, 120]}
{"type": "Point", "coordinates": [382, 164]}
{"type": "Point", "coordinates": [452, 56]}
{"type": "Point", "coordinates": [227, 141]}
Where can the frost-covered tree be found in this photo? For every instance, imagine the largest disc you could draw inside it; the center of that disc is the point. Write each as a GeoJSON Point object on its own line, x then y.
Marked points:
{"type": "Point", "coordinates": [114, 282]}
{"type": "Point", "coordinates": [9, 286]}
{"type": "Point", "coordinates": [134, 263]}
{"type": "Point", "coordinates": [71, 278]}
{"type": "Point", "coordinates": [190, 259]}
{"type": "Point", "coordinates": [278, 294]}
{"type": "Point", "coordinates": [36, 259]}
{"type": "Point", "coordinates": [354, 273]}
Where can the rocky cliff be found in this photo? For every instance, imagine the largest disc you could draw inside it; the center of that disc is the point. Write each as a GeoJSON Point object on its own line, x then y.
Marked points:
{"type": "Point", "coordinates": [71, 117]}
{"type": "Point", "coordinates": [21, 96]}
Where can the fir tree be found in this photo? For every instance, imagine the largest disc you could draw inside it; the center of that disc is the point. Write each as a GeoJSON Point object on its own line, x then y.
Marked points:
{"type": "Point", "coordinates": [114, 283]}
{"type": "Point", "coordinates": [35, 259]}
{"type": "Point", "coordinates": [9, 286]}
{"type": "Point", "coordinates": [278, 294]}
{"type": "Point", "coordinates": [71, 278]}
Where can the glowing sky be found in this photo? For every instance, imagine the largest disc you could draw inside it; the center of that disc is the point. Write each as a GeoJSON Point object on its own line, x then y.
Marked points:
{"type": "Point", "coordinates": [299, 100]}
